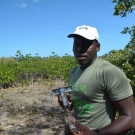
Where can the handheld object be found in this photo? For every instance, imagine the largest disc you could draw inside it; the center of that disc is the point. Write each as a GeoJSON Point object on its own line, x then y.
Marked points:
{"type": "Point", "coordinates": [62, 91]}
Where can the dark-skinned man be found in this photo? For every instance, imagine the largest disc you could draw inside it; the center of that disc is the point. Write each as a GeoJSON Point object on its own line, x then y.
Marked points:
{"type": "Point", "coordinates": [99, 89]}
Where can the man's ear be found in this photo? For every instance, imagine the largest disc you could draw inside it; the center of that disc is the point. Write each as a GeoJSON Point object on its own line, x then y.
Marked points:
{"type": "Point", "coordinates": [98, 47]}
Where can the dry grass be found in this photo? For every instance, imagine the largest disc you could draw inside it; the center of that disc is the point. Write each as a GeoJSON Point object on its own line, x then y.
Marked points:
{"type": "Point", "coordinates": [31, 110]}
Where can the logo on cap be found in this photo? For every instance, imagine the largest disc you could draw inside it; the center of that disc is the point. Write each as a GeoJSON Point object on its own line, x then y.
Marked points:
{"type": "Point", "coordinates": [83, 28]}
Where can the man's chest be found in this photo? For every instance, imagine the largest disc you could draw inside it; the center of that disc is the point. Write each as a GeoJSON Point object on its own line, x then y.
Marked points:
{"type": "Point", "coordinates": [87, 84]}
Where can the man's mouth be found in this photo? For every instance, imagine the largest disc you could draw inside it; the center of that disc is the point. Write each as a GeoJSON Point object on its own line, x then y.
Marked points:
{"type": "Point", "coordinates": [80, 57]}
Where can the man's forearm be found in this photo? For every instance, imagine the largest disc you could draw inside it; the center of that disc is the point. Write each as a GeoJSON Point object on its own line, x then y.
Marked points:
{"type": "Point", "coordinates": [120, 125]}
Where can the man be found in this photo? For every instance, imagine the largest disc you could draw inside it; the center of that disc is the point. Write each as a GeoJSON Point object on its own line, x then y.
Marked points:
{"type": "Point", "coordinates": [99, 89]}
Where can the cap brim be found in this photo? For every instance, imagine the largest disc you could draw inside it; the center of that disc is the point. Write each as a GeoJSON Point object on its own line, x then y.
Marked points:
{"type": "Point", "coordinates": [73, 35]}
{"type": "Point", "coordinates": [84, 36]}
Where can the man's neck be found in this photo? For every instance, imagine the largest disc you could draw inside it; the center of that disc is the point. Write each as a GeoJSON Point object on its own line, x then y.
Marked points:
{"type": "Point", "coordinates": [82, 67]}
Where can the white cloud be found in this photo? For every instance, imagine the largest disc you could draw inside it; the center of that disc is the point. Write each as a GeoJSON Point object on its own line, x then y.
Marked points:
{"type": "Point", "coordinates": [23, 5]}
{"type": "Point", "coordinates": [20, 4]}
{"type": "Point", "coordinates": [35, 1]}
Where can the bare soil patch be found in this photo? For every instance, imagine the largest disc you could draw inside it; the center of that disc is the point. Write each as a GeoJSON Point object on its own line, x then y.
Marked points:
{"type": "Point", "coordinates": [31, 110]}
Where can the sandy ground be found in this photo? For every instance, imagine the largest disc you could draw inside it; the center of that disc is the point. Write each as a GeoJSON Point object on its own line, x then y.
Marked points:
{"type": "Point", "coordinates": [31, 110]}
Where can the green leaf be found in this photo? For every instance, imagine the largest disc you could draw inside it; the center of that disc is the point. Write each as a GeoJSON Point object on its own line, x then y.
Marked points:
{"type": "Point", "coordinates": [52, 115]}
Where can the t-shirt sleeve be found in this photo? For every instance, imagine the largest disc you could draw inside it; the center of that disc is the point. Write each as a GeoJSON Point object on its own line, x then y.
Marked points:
{"type": "Point", "coordinates": [117, 84]}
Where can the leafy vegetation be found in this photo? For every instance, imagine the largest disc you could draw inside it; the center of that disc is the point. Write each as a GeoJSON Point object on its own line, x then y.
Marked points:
{"type": "Point", "coordinates": [125, 58]}
{"type": "Point", "coordinates": [123, 7]}
{"type": "Point", "coordinates": [27, 69]}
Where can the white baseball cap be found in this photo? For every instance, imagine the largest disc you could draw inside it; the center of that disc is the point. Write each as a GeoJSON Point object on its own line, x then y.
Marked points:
{"type": "Point", "coordinates": [87, 32]}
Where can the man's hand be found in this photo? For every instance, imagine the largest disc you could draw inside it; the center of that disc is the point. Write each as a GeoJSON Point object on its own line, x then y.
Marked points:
{"type": "Point", "coordinates": [83, 130]}
{"type": "Point", "coordinates": [67, 130]}
{"type": "Point", "coordinates": [69, 97]}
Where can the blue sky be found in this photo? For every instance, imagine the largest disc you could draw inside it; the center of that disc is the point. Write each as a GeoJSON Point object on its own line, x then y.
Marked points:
{"type": "Point", "coordinates": [42, 26]}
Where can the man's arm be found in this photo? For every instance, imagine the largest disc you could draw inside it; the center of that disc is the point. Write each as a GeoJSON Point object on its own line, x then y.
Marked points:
{"type": "Point", "coordinates": [126, 119]}
{"type": "Point", "coordinates": [124, 122]}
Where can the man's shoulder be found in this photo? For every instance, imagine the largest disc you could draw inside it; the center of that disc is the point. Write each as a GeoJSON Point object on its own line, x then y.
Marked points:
{"type": "Point", "coordinates": [107, 67]}
{"type": "Point", "coordinates": [103, 63]}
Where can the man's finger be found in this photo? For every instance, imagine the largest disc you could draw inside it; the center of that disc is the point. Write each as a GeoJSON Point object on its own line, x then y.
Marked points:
{"type": "Point", "coordinates": [59, 97]}
{"type": "Point", "coordinates": [76, 133]}
{"type": "Point", "coordinates": [78, 125]}
{"type": "Point", "coordinates": [68, 94]}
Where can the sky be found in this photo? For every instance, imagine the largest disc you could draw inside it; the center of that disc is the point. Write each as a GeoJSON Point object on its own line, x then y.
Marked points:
{"type": "Point", "coordinates": [41, 26]}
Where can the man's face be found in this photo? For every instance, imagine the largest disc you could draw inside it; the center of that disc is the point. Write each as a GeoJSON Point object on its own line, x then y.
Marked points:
{"type": "Point", "coordinates": [85, 51]}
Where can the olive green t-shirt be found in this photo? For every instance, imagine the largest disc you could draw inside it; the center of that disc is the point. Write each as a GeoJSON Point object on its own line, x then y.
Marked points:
{"type": "Point", "coordinates": [94, 89]}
